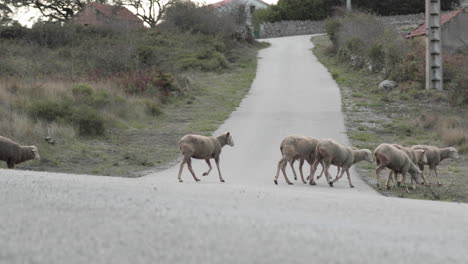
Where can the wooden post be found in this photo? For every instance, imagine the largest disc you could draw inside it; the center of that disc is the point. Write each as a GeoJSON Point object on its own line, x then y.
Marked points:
{"type": "Point", "coordinates": [434, 77]}
{"type": "Point", "coordinates": [348, 5]}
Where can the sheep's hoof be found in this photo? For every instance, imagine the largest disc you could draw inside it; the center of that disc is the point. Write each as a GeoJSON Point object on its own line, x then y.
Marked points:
{"type": "Point", "coordinates": [304, 182]}
{"type": "Point", "coordinates": [398, 184]}
{"type": "Point", "coordinates": [295, 178]}
{"type": "Point", "coordinates": [181, 181]}
{"type": "Point", "coordinates": [331, 184]}
{"type": "Point", "coordinates": [439, 184]}
{"type": "Point", "coordinates": [378, 186]}
{"type": "Point", "coordinates": [388, 187]}
{"type": "Point", "coordinates": [222, 180]}
{"type": "Point", "coordinates": [205, 173]}
{"type": "Point", "coordinates": [276, 182]}
{"type": "Point", "coordinates": [290, 183]}
{"type": "Point", "coordinates": [422, 183]}
{"type": "Point", "coordinates": [312, 183]}
{"type": "Point", "coordinates": [352, 186]}
{"type": "Point", "coordinates": [197, 180]}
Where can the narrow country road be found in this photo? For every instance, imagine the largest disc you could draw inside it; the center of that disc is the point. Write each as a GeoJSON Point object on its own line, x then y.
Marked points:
{"type": "Point", "coordinates": [61, 218]}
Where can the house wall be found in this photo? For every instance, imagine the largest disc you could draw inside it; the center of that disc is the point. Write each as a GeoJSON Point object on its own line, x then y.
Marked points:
{"type": "Point", "coordinates": [455, 33]}
{"type": "Point", "coordinates": [88, 16]}
{"type": "Point", "coordinates": [91, 16]}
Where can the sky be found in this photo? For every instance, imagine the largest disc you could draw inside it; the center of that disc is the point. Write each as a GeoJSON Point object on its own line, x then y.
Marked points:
{"type": "Point", "coordinates": [28, 17]}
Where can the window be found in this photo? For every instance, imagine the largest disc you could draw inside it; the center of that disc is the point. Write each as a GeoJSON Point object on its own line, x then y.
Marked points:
{"type": "Point", "coordinates": [252, 9]}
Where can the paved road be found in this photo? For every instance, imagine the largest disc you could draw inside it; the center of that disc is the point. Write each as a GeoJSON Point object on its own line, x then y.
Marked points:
{"type": "Point", "coordinates": [61, 218]}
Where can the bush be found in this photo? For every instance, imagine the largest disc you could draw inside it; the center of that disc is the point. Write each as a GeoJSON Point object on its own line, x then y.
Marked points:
{"type": "Point", "coordinates": [187, 16]}
{"type": "Point", "coordinates": [458, 87]}
{"type": "Point", "coordinates": [88, 121]}
{"type": "Point", "coordinates": [298, 10]}
{"type": "Point", "coordinates": [49, 110]}
{"type": "Point", "coordinates": [399, 7]}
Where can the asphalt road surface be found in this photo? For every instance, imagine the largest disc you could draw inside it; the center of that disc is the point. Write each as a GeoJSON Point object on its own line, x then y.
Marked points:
{"type": "Point", "coordinates": [62, 218]}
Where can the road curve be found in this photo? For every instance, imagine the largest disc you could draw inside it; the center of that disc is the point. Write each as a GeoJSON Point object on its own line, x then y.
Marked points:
{"type": "Point", "coordinates": [63, 218]}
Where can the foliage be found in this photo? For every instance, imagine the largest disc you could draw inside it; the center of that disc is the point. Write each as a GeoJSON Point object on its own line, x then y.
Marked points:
{"type": "Point", "coordinates": [53, 10]}
{"type": "Point", "coordinates": [150, 11]}
{"type": "Point", "coordinates": [298, 10]}
{"type": "Point", "coordinates": [458, 86]}
{"type": "Point", "coordinates": [399, 7]}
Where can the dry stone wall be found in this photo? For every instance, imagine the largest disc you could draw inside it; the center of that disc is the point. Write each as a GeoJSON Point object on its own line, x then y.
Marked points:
{"type": "Point", "coordinates": [307, 27]}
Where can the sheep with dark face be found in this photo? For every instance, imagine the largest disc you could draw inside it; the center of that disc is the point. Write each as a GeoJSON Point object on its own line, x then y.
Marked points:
{"type": "Point", "coordinates": [434, 156]}
{"type": "Point", "coordinates": [329, 152]}
{"type": "Point", "coordinates": [202, 147]}
{"type": "Point", "coordinates": [388, 156]}
{"type": "Point", "coordinates": [13, 153]}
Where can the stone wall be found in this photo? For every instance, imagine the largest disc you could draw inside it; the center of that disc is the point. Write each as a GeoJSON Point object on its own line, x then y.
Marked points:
{"type": "Point", "coordinates": [403, 23]}
{"type": "Point", "coordinates": [291, 28]}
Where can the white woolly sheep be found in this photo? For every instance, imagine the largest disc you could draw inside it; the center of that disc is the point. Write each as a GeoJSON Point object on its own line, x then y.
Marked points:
{"type": "Point", "coordinates": [13, 153]}
{"type": "Point", "coordinates": [416, 156]}
{"type": "Point", "coordinates": [332, 153]}
{"type": "Point", "coordinates": [388, 156]}
{"type": "Point", "coordinates": [293, 148]}
{"type": "Point", "coordinates": [434, 156]}
{"type": "Point", "coordinates": [202, 147]}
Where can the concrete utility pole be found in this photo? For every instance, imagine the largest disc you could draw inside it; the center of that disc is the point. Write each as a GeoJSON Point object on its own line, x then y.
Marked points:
{"type": "Point", "coordinates": [348, 5]}
{"type": "Point", "coordinates": [434, 77]}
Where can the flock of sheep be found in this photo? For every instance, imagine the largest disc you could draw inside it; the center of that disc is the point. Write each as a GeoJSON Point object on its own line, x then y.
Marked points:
{"type": "Point", "coordinates": [326, 152]}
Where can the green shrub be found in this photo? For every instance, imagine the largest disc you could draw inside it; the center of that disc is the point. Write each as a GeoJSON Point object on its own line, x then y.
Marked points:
{"type": "Point", "coordinates": [88, 121]}
{"type": "Point", "coordinates": [49, 110]}
{"type": "Point", "coordinates": [332, 26]}
{"type": "Point", "coordinates": [399, 7]}
{"type": "Point", "coordinates": [152, 108]}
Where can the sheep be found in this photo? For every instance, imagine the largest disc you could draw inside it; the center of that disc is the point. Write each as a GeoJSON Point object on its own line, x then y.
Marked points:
{"type": "Point", "coordinates": [293, 148]}
{"type": "Point", "coordinates": [202, 147]}
{"type": "Point", "coordinates": [416, 156]}
{"type": "Point", "coordinates": [434, 156]}
{"type": "Point", "coordinates": [13, 153]}
{"type": "Point", "coordinates": [388, 156]}
{"type": "Point", "coordinates": [332, 153]}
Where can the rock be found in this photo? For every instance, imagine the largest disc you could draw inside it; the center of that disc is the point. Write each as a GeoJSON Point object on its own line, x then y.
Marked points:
{"type": "Point", "coordinates": [388, 85]}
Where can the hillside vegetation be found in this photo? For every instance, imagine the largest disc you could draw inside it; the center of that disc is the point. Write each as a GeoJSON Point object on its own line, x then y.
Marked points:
{"type": "Point", "coordinates": [113, 101]}
{"type": "Point", "coordinates": [360, 52]}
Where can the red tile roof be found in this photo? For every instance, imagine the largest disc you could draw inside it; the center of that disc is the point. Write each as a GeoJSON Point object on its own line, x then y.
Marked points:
{"type": "Point", "coordinates": [115, 12]}
{"type": "Point", "coordinates": [421, 30]}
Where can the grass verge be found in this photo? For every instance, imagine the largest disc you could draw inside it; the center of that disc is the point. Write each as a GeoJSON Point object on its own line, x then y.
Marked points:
{"type": "Point", "coordinates": [406, 116]}
{"type": "Point", "coordinates": [150, 141]}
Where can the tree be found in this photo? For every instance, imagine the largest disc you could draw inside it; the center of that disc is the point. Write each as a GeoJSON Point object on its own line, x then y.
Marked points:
{"type": "Point", "coordinates": [54, 10]}
{"type": "Point", "coordinates": [150, 11]}
{"type": "Point", "coordinates": [5, 12]}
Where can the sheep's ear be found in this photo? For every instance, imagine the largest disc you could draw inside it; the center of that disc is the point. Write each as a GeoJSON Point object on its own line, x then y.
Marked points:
{"type": "Point", "coordinates": [228, 133]}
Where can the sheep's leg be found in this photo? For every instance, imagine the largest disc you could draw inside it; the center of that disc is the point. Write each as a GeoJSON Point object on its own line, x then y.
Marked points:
{"type": "Point", "coordinates": [341, 175]}
{"type": "Point", "coordinates": [189, 164]}
{"type": "Point", "coordinates": [280, 164]}
{"type": "Point", "coordinates": [421, 168]}
{"type": "Point", "coordinates": [283, 169]}
{"type": "Point", "coordinates": [403, 174]}
{"type": "Point", "coordinates": [424, 179]}
{"type": "Point", "coordinates": [181, 168]}
{"type": "Point", "coordinates": [377, 174]}
{"type": "Point", "coordinates": [321, 173]}
{"type": "Point", "coordinates": [10, 164]}
{"type": "Point", "coordinates": [437, 176]}
{"type": "Point", "coordinates": [301, 164]}
{"type": "Point", "coordinates": [390, 178]}
{"type": "Point", "coordinates": [327, 173]}
{"type": "Point", "coordinates": [209, 165]}
{"type": "Point", "coordinates": [338, 169]}
{"type": "Point", "coordinates": [219, 171]}
{"type": "Point", "coordinates": [292, 168]}
{"type": "Point", "coordinates": [349, 178]}
{"type": "Point", "coordinates": [313, 168]}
